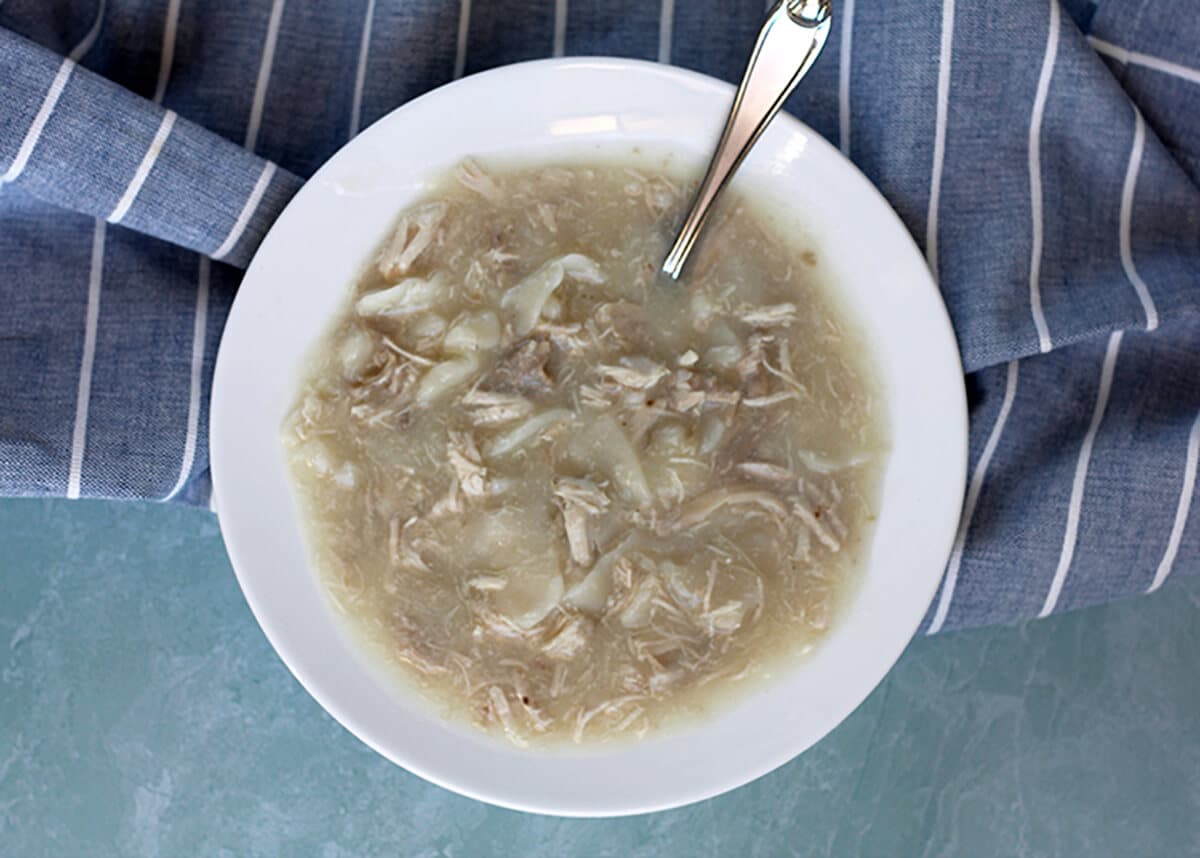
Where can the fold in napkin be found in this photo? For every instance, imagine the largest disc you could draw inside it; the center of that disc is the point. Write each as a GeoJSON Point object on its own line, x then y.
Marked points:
{"type": "Point", "coordinates": [1045, 156]}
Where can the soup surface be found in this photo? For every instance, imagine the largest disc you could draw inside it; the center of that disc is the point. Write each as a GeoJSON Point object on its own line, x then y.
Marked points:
{"type": "Point", "coordinates": [568, 498]}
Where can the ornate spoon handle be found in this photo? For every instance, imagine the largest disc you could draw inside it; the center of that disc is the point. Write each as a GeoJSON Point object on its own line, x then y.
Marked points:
{"type": "Point", "coordinates": [788, 44]}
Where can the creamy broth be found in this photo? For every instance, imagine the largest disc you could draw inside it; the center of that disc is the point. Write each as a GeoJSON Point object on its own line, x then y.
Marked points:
{"type": "Point", "coordinates": [567, 498]}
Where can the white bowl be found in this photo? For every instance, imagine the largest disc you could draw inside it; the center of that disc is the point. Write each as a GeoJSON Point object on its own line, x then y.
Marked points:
{"type": "Point", "coordinates": [563, 108]}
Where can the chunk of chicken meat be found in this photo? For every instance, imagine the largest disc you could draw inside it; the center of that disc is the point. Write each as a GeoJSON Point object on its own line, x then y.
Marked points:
{"type": "Point", "coordinates": [751, 368]}
{"type": "Point", "coordinates": [579, 499]}
{"type": "Point", "coordinates": [465, 461]}
{"type": "Point", "coordinates": [523, 369]}
{"type": "Point", "coordinates": [624, 322]}
{"type": "Point", "coordinates": [770, 316]}
{"type": "Point", "coordinates": [690, 392]}
{"type": "Point", "coordinates": [414, 234]}
{"type": "Point", "coordinates": [568, 641]}
{"type": "Point", "coordinates": [471, 176]}
{"type": "Point", "coordinates": [636, 373]}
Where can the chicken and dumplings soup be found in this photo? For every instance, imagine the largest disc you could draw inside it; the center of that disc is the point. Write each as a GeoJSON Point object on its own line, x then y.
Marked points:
{"type": "Point", "coordinates": [563, 497]}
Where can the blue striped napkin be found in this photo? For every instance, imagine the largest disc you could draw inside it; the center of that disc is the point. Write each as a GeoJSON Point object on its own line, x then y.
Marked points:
{"type": "Point", "coordinates": [1046, 155]}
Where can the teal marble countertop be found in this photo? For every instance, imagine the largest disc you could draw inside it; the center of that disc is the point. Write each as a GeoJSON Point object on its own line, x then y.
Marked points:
{"type": "Point", "coordinates": [142, 712]}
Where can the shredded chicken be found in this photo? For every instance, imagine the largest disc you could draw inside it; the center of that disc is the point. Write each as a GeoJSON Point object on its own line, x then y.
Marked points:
{"type": "Point", "coordinates": [774, 315]}
{"type": "Point", "coordinates": [594, 397]}
{"type": "Point", "coordinates": [568, 641]}
{"type": "Point", "coordinates": [402, 544]}
{"type": "Point", "coordinates": [609, 707]}
{"type": "Point", "coordinates": [569, 338]}
{"type": "Point", "coordinates": [546, 213]}
{"type": "Point", "coordinates": [751, 367]}
{"type": "Point", "coordinates": [636, 609]}
{"type": "Point", "coordinates": [692, 392]}
{"type": "Point", "coordinates": [579, 500]}
{"type": "Point", "coordinates": [415, 232]}
{"type": "Point", "coordinates": [575, 523]}
{"type": "Point", "coordinates": [463, 456]}
{"type": "Point", "coordinates": [417, 652]}
{"type": "Point", "coordinates": [583, 493]}
{"type": "Point", "coordinates": [415, 360]}
{"type": "Point", "coordinates": [523, 369]}
{"type": "Point", "coordinates": [636, 373]}
{"type": "Point", "coordinates": [471, 175]}
{"type": "Point", "coordinates": [623, 322]}
{"type": "Point", "coordinates": [503, 713]}
{"type": "Point", "coordinates": [818, 528]}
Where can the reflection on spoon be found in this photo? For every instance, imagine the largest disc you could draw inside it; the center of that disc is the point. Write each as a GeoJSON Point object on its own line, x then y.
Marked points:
{"type": "Point", "coordinates": [788, 44]}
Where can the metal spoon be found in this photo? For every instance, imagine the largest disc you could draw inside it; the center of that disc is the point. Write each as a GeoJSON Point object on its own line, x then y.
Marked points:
{"type": "Point", "coordinates": [788, 44]}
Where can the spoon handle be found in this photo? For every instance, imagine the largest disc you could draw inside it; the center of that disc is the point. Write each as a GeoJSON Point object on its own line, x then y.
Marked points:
{"type": "Point", "coordinates": [788, 44]}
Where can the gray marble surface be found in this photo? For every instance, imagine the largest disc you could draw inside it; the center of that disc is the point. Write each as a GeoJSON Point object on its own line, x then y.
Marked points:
{"type": "Point", "coordinates": [142, 712]}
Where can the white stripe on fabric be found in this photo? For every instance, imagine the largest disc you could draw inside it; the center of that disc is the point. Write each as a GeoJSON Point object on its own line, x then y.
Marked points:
{"type": "Point", "coordinates": [560, 28]}
{"type": "Point", "coordinates": [1035, 177]}
{"type": "Point", "coordinates": [239, 226]}
{"type": "Point", "coordinates": [1137, 58]}
{"type": "Point", "coordinates": [1075, 505]}
{"type": "Point", "coordinates": [1182, 510]}
{"type": "Point", "coordinates": [39, 121]}
{"type": "Point", "coordinates": [165, 63]}
{"type": "Point", "coordinates": [143, 170]}
{"type": "Point", "coordinates": [973, 491]}
{"type": "Point", "coordinates": [464, 29]}
{"type": "Point", "coordinates": [83, 394]}
{"type": "Point", "coordinates": [264, 75]}
{"type": "Point", "coordinates": [847, 18]}
{"type": "Point", "coordinates": [360, 77]}
{"type": "Point", "coordinates": [199, 331]}
{"type": "Point", "coordinates": [1127, 196]}
{"type": "Point", "coordinates": [167, 56]}
{"type": "Point", "coordinates": [939, 136]}
{"type": "Point", "coordinates": [666, 30]}
{"type": "Point", "coordinates": [85, 45]}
